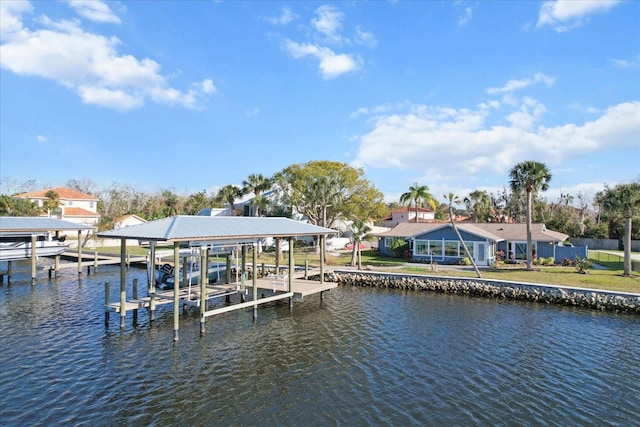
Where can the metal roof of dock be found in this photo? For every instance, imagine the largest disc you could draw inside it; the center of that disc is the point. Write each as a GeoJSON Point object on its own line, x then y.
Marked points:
{"type": "Point", "coordinates": [184, 228]}
{"type": "Point", "coordinates": [24, 225]}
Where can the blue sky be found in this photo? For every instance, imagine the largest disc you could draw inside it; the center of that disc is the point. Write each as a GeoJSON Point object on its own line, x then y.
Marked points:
{"type": "Point", "coordinates": [192, 96]}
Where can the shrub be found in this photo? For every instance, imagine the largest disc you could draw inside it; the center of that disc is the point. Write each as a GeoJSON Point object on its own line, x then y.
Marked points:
{"type": "Point", "coordinates": [550, 261]}
{"type": "Point", "coordinates": [582, 264]}
{"type": "Point", "coordinates": [567, 262]}
{"type": "Point", "coordinates": [465, 261]}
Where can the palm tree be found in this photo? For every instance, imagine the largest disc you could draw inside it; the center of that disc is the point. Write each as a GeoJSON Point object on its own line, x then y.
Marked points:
{"type": "Point", "coordinates": [452, 199]}
{"type": "Point", "coordinates": [529, 176]}
{"type": "Point", "coordinates": [229, 194]}
{"type": "Point", "coordinates": [416, 194]}
{"type": "Point", "coordinates": [624, 201]}
{"type": "Point", "coordinates": [359, 229]}
{"type": "Point", "coordinates": [256, 184]}
{"type": "Point", "coordinates": [478, 204]}
{"type": "Point", "coordinates": [326, 193]}
{"type": "Point", "coordinates": [51, 202]}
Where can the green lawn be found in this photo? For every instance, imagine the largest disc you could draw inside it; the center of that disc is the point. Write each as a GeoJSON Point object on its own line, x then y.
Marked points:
{"type": "Point", "coordinates": [610, 279]}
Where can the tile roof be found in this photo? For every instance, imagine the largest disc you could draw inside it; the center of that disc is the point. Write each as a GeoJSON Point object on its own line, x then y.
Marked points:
{"type": "Point", "coordinates": [64, 193]}
{"type": "Point", "coordinates": [74, 211]}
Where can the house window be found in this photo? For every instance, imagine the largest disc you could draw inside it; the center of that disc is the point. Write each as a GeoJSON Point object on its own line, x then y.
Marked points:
{"type": "Point", "coordinates": [435, 246]}
{"type": "Point", "coordinates": [451, 248]}
{"type": "Point", "coordinates": [388, 242]}
{"type": "Point", "coordinates": [422, 247]}
{"type": "Point", "coordinates": [469, 246]}
{"type": "Point", "coordinates": [91, 204]}
{"type": "Point", "coordinates": [70, 202]}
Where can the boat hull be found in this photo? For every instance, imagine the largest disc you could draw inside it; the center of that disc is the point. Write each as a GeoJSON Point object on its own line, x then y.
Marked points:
{"type": "Point", "coordinates": [166, 280]}
{"type": "Point", "coordinates": [13, 251]}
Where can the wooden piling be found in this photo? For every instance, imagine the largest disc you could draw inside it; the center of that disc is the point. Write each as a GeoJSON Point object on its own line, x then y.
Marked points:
{"type": "Point", "coordinates": [306, 269]}
{"type": "Point", "coordinates": [95, 260]}
{"type": "Point", "coordinates": [33, 259]}
{"type": "Point", "coordinates": [204, 277]}
{"type": "Point", "coordinates": [134, 295]}
{"type": "Point", "coordinates": [152, 283]}
{"type": "Point", "coordinates": [123, 283]}
{"type": "Point", "coordinates": [107, 301]}
{"type": "Point", "coordinates": [176, 290]}
{"type": "Point", "coordinates": [291, 271]}
{"type": "Point", "coordinates": [80, 252]}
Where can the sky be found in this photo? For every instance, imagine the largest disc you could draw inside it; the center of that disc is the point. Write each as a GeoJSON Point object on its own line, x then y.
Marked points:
{"type": "Point", "coordinates": [195, 95]}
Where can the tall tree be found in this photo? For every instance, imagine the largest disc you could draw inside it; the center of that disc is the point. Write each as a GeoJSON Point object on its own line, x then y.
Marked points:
{"type": "Point", "coordinates": [417, 194]}
{"type": "Point", "coordinates": [452, 199]}
{"type": "Point", "coordinates": [478, 204]}
{"type": "Point", "coordinates": [229, 194]}
{"type": "Point", "coordinates": [256, 184]}
{"type": "Point", "coordinates": [297, 185]}
{"type": "Point", "coordinates": [531, 177]}
{"type": "Point", "coordinates": [623, 200]}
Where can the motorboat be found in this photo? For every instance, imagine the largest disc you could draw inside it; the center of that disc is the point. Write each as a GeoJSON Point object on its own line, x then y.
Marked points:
{"type": "Point", "coordinates": [13, 251]}
{"type": "Point", "coordinates": [165, 274]}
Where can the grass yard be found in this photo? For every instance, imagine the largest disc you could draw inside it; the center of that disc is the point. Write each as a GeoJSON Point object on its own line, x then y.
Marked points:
{"type": "Point", "coordinates": [610, 279]}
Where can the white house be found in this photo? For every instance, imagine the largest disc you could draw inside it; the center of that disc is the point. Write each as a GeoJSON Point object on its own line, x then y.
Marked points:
{"type": "Point", "coordinates": [73, 206]}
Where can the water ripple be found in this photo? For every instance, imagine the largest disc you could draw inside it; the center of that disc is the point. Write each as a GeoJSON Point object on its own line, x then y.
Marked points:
{"type": "Point", "coordinates": [360, 357]}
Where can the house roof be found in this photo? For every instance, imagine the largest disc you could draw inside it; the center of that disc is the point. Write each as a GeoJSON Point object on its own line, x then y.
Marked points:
{"type": "Point", "coordinates": [12, 225]}
{"type": "Point", "coordinates": [183, 228]}
{"type": "Point", "coordinates": [75, 211]}
{"type": "Point", "coordinates": [491, 231]}
{"type": "Point", "coordinates": [64, 193]}
{"type": "Point", "coordinates": [126, 217]}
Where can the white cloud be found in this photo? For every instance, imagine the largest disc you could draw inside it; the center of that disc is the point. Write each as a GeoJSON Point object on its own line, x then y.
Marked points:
{"type": "Point", "coordinates": [286, 16]}
{"type": "Point", "coordinates": [87, 63]}
{"type": "Point", "coordinates": [365, 38]}
{"type": "Point", "coordinates": [465, 17]}
{"type": "Point", "coordinates": [441, 142]}
{"type": "Point", "coordinates": [564, 15]}
{"type": "Point", "coordinates": [42, 138]}
{"type": "Point", "coordinates": [94, 10]}
{"type": "Point", "coordinates": [513, 85]}
{"type": "Point", "coordinates": [329, 23]}
{"type": "Point", "coordinates": [331, 64]}
{"type": "Point", "coordinates": [627, 63]}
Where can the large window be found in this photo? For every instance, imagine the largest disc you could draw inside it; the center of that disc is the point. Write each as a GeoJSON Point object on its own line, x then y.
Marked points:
{"type": "Point", "coordinates": [422, 247]}
{"type": "Point", "coordinates": [451, 248]}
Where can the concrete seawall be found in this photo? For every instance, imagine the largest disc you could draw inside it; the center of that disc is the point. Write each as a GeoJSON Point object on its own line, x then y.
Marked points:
{"type": "Point", "coordinates": [562, 295]}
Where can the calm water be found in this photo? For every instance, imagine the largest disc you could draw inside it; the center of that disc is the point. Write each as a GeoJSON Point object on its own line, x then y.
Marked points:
{"type": "Point", "coordinates": [361, 357]}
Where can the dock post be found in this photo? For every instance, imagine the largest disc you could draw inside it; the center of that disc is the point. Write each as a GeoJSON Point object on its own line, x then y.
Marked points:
{"type": "Point", "coordinates": [176, 291]}
{"type": "Point", "coordinates": [322, 253]}
{"type": "Point", "coordinates": [135, 297]}
{"type": "Point", "coordinates": [204, 277]}
{"type": "Point", "coordinates": [254, 260]}
{"type": "Point", "coordinates": [95, 260]}
{"type": "Point", "coordinates": [152, 282]}
{"type": "Point", "coordinates": [9, 271]}
{"type": "Point", "coordinates": [227, 276]}
{"type": "Point", "coordinates": [56, 265]}
{"type": "Point", "coordinates": [262, 270]}
{"type": "Point", "coordinates": [291, 271]}
{"type": "Point", "coordinates": [128, 259]}
{"type": "Point", "coordinates": [79, 252]}
{"type": "Point", "coordinates": [123, 284]}
{"type": "Point", "coordinates": [306, 269]}
{"type": "Point", "coordinates": [107, 301]}
{"type": "Point", "coordinates": [33, 259]}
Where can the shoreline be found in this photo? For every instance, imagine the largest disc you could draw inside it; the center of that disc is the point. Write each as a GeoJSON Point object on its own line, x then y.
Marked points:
{"type": "Point", "coordinates": [594, 299]}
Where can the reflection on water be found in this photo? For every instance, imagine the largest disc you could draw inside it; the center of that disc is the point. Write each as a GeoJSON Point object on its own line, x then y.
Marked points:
{"type": "Point", "coordinates": [361, 357]}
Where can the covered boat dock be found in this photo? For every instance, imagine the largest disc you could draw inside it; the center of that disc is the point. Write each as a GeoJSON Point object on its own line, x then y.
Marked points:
{"type": "Point", "coordinates": [219, 236]}
{"type": "Point", "coordinates": [31, 230]}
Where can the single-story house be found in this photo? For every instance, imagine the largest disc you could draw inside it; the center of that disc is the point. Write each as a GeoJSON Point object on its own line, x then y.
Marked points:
{"type": "Point", "coordinates": [128, 221]}
{"type": "Point", "coordinates": [486, 242]}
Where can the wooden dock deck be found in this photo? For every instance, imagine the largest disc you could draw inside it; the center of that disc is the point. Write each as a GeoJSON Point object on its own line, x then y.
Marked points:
{"type": "Point", "coordinates": [269, 289]}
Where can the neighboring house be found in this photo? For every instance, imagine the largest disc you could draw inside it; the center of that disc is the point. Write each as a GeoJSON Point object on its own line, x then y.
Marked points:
{"type": "Point", "coordinates": [215, 212]}
{"type": "Point", "coordinates": [128, 221]}
{"type": "Point", "coordinates": [486, 242]}
{"type": "Point", "coordinates": [74, 206]}
{"type": "Point", "coordinates": [407, 214]}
